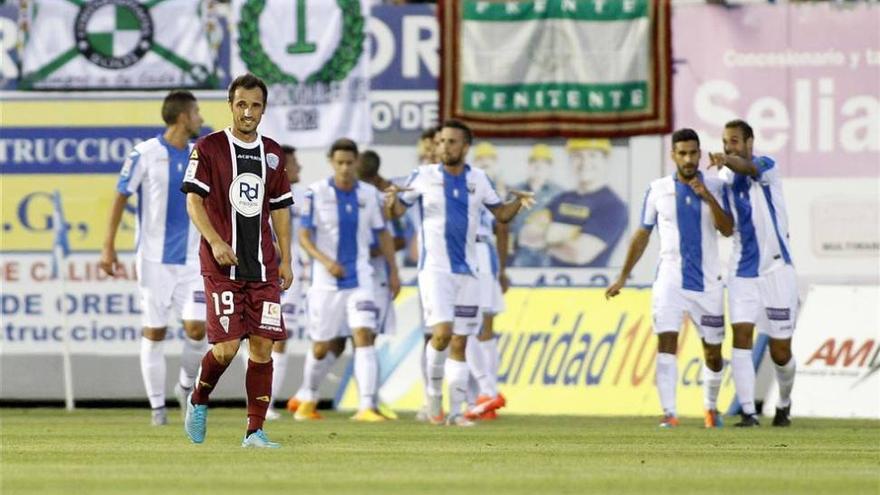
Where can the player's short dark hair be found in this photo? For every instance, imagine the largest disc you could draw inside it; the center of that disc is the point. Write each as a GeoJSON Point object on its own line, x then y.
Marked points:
{"type": "Point", "coordinates": [429, 133]}
{"type": "Point", "coordinates": [370, 163]}
{"type": "Point", "coordinates": [287, 149]}
{"type": "Point", "coordinates": [683, 135]}
{"type": "Point", "coordinates": [343, 144]}
{"type": "Point", "coordinates": [457, 124]}
{"type": "Point", "coordinates": [176, 103]}
{"type": "Point", "coordinates": [248, 81]}
{"type": "Point", "coordinates": [743, 126]}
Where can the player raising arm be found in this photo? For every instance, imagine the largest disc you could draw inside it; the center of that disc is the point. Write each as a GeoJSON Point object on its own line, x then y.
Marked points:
{"type": "Point", "coordinates": [685, 206]}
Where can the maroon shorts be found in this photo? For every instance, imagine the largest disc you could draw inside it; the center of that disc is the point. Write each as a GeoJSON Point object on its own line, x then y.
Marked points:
{"type": "Point", "coordinates": [239, 308]}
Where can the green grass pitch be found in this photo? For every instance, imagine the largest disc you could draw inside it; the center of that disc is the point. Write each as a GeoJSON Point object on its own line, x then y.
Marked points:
{"type": "Point", "coordinates": [46, 451]}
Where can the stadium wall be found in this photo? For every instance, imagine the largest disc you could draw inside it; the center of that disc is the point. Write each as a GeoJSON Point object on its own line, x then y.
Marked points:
{"type": "Point", "coordinates": [815, 108]}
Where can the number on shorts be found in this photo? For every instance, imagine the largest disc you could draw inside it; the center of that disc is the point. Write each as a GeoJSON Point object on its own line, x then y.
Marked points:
{"type": "Point", "coordinates": [225, 298]}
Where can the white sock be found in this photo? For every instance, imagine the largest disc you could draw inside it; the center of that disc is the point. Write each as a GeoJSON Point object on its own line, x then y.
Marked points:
{"type": "Point", "coordinates": [667, 380]}
{"type": "Point", "coordinates": [377, 397]}
{"type": "Point", "coordinates": [457, 377]}
{"type": "Point", "coordinates": [424, 368]}
{"type": "Point", "coordinates": [785, 378]}
{"type": "Point", "coordinates": [302, 392]}
{"type": "Point", "coordinates": [744, 379]}
{"type": "Point", "coordinates": [489, 348]}
{"type": "Point", "coordinates": [476, 362]}
{"type": "Point", "coordinates": [435, 362]}
{"type": "Point", "coordinates": [320, 373]}
{"type": "Point", "coordinates": [279, 373]}
{"type": "Point", "coordinates": [153, 371]}
{"type": "Point", "coordinates": [473, 391]}
{"type": "Point", "coordinates": [319, 370]}
{"type": "Point", "coordinates": [366, 367]}
{"type": "Point", "coordinates": [190, 360]}
{"type": "Point", "coordinates": [711, 386]}
{"type": "Point", "coordinates": [244, 352]}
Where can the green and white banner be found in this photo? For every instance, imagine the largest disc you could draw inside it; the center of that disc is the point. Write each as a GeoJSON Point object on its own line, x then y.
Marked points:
{"type": "Point", "coordinates": [116, 44]}
{"type": "Point", "coordinates": [557, 67]}
{"type": "Point", "coordinates": [313, 55]}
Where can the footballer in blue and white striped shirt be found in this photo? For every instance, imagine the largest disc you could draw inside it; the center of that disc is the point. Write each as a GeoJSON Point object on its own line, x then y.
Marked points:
{"type": "Point", "coordinates": [167, 252]}
{"type": "Point", "coordinates": [449, 196]}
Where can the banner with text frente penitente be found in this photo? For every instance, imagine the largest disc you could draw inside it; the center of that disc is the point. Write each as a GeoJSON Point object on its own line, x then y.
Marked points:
{"type": "Point", "coordinates": [119, 44]}
{"type": "Point", "coordinates": [556, 67]}
{"type": "Point", "coordinates": [313, 56]}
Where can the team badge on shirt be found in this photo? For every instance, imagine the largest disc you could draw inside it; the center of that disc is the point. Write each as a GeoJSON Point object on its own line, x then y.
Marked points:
{"type": "Point", "coordinates": [224, 322]}
{"type": "Point", "coordinates": [272, 160]}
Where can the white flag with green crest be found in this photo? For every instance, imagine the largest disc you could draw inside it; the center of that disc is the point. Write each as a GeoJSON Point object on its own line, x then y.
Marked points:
{"type": "Point", "coordinates": [117, 44]}
{"type": "Point", "coordinates": [313, 56]}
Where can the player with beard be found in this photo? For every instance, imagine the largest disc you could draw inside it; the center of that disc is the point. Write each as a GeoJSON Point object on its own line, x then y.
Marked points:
{"type": "Point", "coordinates": [686, 208]}
{"type": "Point", "coordinates": [235, 181]}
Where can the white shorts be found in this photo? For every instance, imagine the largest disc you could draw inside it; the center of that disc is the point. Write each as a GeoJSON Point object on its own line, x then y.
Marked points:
{"type": "Point", "coordinates": [170, 289]}
{"type": "Point", "coordinates": [706, 309]}
{"type": "Point", "coordinates": [769, 301]}
{"type": "Point", "coordinates": [491, 295]}
{"type": "Point", "coordinates": [450, 297]}
{"type": "Point", "coordinates": [334, 312]}
{"type": "Point", "coordinates": [386, 317]}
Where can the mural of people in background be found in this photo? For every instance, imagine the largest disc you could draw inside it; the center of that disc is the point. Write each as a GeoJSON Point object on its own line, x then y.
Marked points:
{"type": "Point", "coordinates": [538, 181]}
{"type": "Point", "coordinates": [486, 158]}
{"type": "Point", "coordinates": [580, 227]}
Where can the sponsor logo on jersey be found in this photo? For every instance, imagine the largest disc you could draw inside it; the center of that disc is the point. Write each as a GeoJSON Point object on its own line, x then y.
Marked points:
{"type": "Point", "coordinates": [129, 164]}
{"type": "Point", "coordinates": [191, 170]}
{"type": "Point", "coordinates": [246, 194]}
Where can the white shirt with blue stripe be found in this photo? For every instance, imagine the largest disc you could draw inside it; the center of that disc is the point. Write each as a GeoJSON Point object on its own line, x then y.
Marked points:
{"type": "Point", "coordinates": [760, 240]}
{"type": "Point", "coordinates": [449, 206]}
{"type": "Point", "coordinates": [343, 224]}
{"type": "Point", "coordinates": [688, 240]}
{"type": "Point", "coordinates": [297, 254]}
{"type": "Point", "coordinates": [154, 171]}
{"type": "Point", "coordinates": [486, 233]}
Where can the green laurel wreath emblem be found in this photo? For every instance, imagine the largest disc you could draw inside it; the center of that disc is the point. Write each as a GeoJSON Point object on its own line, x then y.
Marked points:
{"type": "Point", "coordinates": [336, 68]}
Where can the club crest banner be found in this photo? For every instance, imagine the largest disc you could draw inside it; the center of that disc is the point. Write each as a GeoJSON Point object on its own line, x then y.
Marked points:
{"type": "Point", "coordinates": [119, 44]}
{"type": "Point", "coordinates": [313, 57]}
{"type": "Point", "coordinates": [556, 67]}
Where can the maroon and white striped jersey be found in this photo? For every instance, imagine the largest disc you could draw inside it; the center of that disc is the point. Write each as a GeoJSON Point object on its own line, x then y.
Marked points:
{"type": "Point", "coordinates": [241, 183]}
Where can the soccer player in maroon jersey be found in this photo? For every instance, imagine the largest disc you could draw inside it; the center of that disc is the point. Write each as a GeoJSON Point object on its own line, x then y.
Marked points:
{"type": "Point", "coordinates": [235, 182]}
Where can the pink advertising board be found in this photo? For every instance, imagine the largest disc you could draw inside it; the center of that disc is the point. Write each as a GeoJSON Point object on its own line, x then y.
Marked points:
{"type": "Point", "coordinates": [806, 76]}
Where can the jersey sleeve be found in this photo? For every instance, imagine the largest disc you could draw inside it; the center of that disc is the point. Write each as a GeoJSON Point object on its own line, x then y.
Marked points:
{"type": "Point", "coordinates": [726, 175]}
{"type": "Point", "coordinates": [131, 175]}
{"type": "Point", "coordinates": [278, 187]}
{"type": "Point", "coordinates": [198, 177]}
{"type": "Point", "coordinates": [489, 196]}
{"type": "Point", "coordinates": [767, 170]}
{"type": "Point", "coordinates": [307, 220]}
{"type": "Point", "coordinates": [649, 210]}
{"type": "Point", "coordinates": [414, 183]}
{"type": "Point", "coordinates": [377, 220]}
{"type": "Point", "coordinates": [718, 189]}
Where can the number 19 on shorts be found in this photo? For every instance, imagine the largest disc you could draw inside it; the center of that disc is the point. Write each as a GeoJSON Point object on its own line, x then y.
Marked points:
{"type": "Point", "coordinates": [224, 303]}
